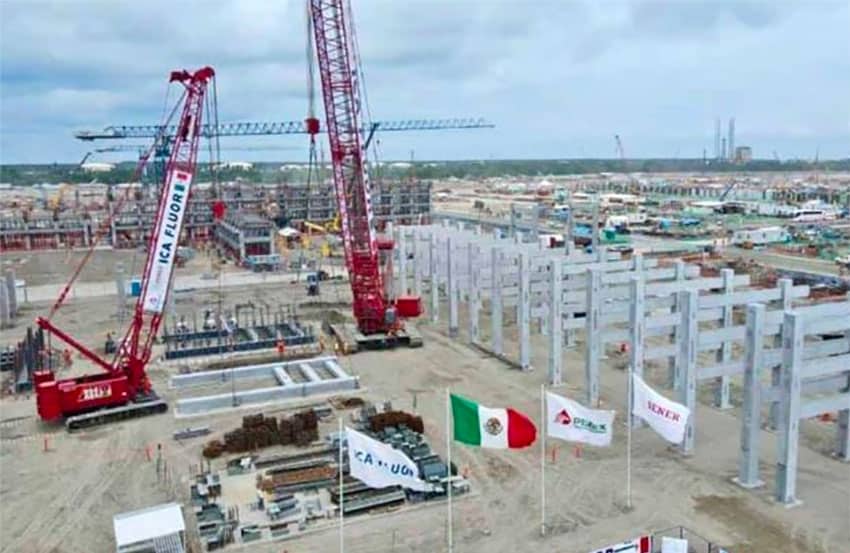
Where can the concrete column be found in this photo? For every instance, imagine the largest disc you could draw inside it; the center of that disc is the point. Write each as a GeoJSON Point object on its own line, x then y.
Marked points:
{"type": "Point", "coordinates": [417, 263]}
{"type": "Point", "coordinates": [452, 288]}
{"type": "Point", "coordinates": [5, 313]}
{"type": "Point", "coordinates": [842, 442]}
{"type": "Point", "coordinates": [569, 232]}
{"type": "Point", "coordinates": [789, 409]}
{"type": "Point", "coordinates": [535, 222]}
{"type": "Point", "coordinates": [842, 449]}
{"type": "Point", "coordinates": [637, 262]}
{"type": "Point", "coordinates": [687, 361]}
{"type": "Point", "coordinates": [496, 301]}
{"type": "Point", "coordinates": [724, 355]}
{"type": "Point", "coordinates": [594, 231]}
{"type": "Point", "coordinates": [555, 323]}
{"type": "Point", "coordinates": [524, 319]}
{"type": "Point", "coordinates": [748, 458]}
{"type": "Point", "coordinates": [11, 292]}
{"type": "Point", "coordinates": [674, 375]}
{"type": "Point", "coordinates": [474, 293]}
{"type": "Point", "coordinates": [401, 245]}
{"type": "Point", "coordinates": [433, 273]}
{"type": "Point", "coordinates": [592, 337]}
{"type": "Point", "coordinates": [786, 286]}
{"type": "Point", "coordinates": [637, 322]}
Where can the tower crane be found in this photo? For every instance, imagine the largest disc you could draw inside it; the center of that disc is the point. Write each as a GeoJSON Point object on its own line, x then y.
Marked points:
{"type": "Point", "coordinates": [275, 128]}
{"type": "Point", "coordinates": [376, 313]}
{"type": "Point", "coordinates": [123, 390]}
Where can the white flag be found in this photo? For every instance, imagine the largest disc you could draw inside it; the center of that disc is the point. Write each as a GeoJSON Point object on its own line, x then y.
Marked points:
{"type": "Point", "coordinates": [378, 465]}
{"type": "Point", "coordinates": [666, 417]}
{"type": "Point", "coordinates": [571, 421]}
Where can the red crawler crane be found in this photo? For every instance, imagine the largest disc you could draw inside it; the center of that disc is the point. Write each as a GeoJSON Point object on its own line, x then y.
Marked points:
{"type": "Point", "coordinates": [376, 314]}
{"type": "Point", "coordinates": [124, 390]}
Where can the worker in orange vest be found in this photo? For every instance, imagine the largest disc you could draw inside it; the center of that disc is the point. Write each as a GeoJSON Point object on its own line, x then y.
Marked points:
{"type": "Point", "coordinates": [281, 347]}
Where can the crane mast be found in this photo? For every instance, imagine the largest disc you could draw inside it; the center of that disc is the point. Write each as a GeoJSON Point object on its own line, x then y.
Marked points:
{"type": "Point", "coordinates": [135, 350]}
{"type": "Point", "coordinates": [336, 55]}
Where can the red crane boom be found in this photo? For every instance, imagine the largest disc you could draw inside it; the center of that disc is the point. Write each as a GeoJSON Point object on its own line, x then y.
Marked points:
{"type": "Point", "coordinates": [337, 57]}
{"type": "Point", "coordinates": [125, 379]}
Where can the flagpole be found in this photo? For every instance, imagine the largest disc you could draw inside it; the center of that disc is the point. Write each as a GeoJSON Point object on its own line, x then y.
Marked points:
{"type": "Point", "coordinates": [449, 467]}
{"type": "Point", "coordinates": [629, 439]}
{"type": "Point", "coordinates": [341, 500]}
{"type": "Point", "coordinates": [543, 460]}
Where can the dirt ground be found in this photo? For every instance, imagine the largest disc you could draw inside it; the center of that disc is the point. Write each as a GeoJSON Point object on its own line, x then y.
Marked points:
{"type": "Point", "coordinates": [62, 500]}
{"type": "Point", "coordinates": [52, 267]}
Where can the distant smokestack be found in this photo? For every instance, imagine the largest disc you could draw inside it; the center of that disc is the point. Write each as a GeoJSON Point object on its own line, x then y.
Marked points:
{"type": "Point", "coordinates": [717, 138]}
{"type": "Point", "coordinates": [730, 150]}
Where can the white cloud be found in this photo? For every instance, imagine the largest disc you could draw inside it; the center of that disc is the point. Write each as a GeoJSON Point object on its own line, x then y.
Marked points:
{"type": "Point", "coordinates": [558, 77]}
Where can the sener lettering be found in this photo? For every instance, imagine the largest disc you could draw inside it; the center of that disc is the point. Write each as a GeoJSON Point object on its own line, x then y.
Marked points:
{"type": "Point", "coordinates": [663, 411]}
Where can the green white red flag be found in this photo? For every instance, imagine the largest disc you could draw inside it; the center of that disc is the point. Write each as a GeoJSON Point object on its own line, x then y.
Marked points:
{"type": "Point", "coordinates": [498, 428]}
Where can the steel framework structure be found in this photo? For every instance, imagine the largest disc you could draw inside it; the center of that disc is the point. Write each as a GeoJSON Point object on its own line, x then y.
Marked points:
{"type": "Point", "coordinates": [273, 128]}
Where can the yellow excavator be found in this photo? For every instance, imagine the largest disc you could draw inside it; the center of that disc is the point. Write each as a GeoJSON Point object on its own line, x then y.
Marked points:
{"type": "Point", "coordinates": [330, 227]}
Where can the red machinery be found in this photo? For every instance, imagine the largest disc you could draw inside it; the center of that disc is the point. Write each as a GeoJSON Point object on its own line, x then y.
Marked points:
{"type": "Point", "coordinates": [124, 390]}
{"type": "Point", "coordinates": [375, 312]}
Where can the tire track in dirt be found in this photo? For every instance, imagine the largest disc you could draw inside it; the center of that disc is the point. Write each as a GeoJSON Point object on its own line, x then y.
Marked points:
{"type": "Point", "coordinates": [68, 511]}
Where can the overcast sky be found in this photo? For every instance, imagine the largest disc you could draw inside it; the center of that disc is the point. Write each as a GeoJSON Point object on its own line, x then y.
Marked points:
{"type": "Point", "coordinates": [559, 78]}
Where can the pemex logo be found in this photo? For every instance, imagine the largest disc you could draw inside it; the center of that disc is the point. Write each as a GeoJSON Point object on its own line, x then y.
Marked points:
{"type": "Point", "coordinates": [581, 423]}
{"type": "Point", "coordinates": [563, 418]}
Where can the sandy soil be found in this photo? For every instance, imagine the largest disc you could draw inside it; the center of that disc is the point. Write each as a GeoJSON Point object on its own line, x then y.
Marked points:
{"type": "Point", "coordinates": [63, 500]}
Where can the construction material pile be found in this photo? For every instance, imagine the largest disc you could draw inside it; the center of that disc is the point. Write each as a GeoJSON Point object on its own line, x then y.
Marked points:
{"type": "Point", "coordinates": [260, 431]}
{"type": "Point", "coordinates": [296, 477]}
{"type": "Point", "coordinates": [378, 422]}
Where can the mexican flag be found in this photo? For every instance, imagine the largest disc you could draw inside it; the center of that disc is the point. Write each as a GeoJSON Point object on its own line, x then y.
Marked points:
{"type": "Point", "coordinates": [478, 425]}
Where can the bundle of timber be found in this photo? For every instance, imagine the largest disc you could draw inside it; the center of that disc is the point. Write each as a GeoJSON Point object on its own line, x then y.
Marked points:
{"type": "Point", "coordinates": [258, 431]}
{"type": "Point", "coordinates": [213, 449]}
{"type": "Point", "coordinates": [340, 402]}
{"type": "Point", "coordinates": [395, 418]}
{"type": "Point", "coordinates": [292, 477]}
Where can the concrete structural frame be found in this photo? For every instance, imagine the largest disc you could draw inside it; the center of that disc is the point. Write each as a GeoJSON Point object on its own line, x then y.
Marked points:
{"type": "Point", "coordinates": [522, 276]}
{"type": "Point", "coordinates": [636, 302]}
{"type": "Point", "coordinates": [814, 372]}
